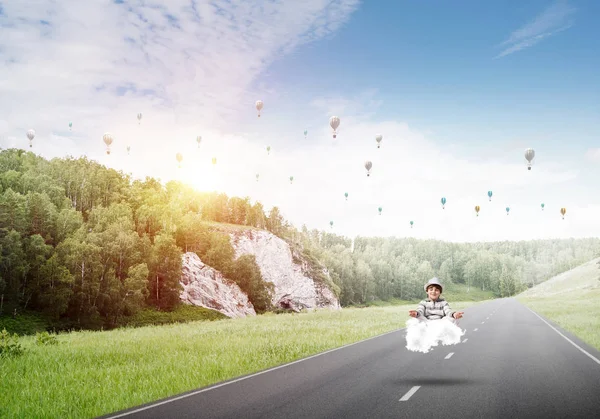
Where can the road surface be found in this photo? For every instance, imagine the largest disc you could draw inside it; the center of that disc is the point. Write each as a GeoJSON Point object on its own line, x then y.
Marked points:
{"type": "Point", "coordinates": [511, 363]}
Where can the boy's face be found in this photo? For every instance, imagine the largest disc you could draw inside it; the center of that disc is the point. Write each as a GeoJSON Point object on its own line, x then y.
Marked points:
{"type": "Point", "coordinates": [433, 292]}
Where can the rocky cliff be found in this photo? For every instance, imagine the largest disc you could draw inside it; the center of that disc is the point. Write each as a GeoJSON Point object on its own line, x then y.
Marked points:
{"type": "Point", "coordinates": [290, 274]}
{"type": "Point", "coordinates": [294, 287]}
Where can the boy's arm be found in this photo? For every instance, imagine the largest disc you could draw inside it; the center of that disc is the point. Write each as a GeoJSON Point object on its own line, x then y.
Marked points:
{"type": "Point", "coordinates": [421, 309]}
{"type": "Point", "coordinates": [447, 310]}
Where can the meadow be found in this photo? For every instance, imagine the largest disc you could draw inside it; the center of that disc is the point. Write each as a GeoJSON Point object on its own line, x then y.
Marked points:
{"type": "Point", "coordinates": [91, 373]}
{"type": "Point", "coordinates": [571, 301]}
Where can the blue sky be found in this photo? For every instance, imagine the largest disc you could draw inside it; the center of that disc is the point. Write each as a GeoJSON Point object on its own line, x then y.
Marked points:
{"type": "Point", "coordinates": [457, 89]}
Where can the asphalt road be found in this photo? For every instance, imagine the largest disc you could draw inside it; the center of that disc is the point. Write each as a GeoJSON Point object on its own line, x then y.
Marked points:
{"type": "Point", "coordinates": [511, 363]}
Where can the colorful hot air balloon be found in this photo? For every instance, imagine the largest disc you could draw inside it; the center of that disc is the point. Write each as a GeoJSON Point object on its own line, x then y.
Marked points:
{"type": "Point", "coordinates": [70, 126]}
{"type": "Point", "coordinates": [334, 123]}
{"type": "Point", "coordinates": [214, 160]}
{"type": "Point", "coordinates": [507, 210]}
{"type": "Point", "coordinates": [477, 208]}
{"type": "Point", "coordinates": [128, 149]}
{"type": "Point", "coordinates": [108, 140]}
{"type": "Point", "coordinates": [291, 179]}
{"type": "Point", "coordinates": [490, 195]}
{"type": "Point", "coordinates": [139, 117]}
{"type": "Point", "coordinates": [378, 139]}
{"type": "Point", "coordinates": [543, 205]}
{"type": "Point", "coordinates": [529, 156]}
{"type": "Point", "coordinates": [380, 209]}
{"type": "Point", "coordinates": [31, 136]}
{"type": "Point", "coordinates": [346, 195]}
{"type": "Point", "coordinates": [199, 140]}
{"type": "Point", "coordinates": [268, 149]}
{"type": "Point", "coordinates": [563, 211]}
{"type": "Point", "coordinates": [305, 133]}
{"type": "Point", "coordinates": [331, 224]}
{"type": "Point", "coordinates": [257, 177]}
{"type": "Point", "coordinates": [179, 158]}
{"type": "Point", "coordinates": [368, 166]}
{"type": "Point", "coordinates": [259, 105]}
{"type": "Point", "coordinates": [443, 201]}
{"type": "Point", "coordinates": [411, 224]}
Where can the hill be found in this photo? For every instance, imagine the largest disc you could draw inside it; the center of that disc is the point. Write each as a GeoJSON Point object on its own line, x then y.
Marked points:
{"type": "Point", "coordinates": [571, 301]}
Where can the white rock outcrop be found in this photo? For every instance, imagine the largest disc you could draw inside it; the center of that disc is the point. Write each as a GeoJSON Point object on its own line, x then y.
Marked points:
{"type": "Point", "coordinates": [294, 289]}
{"type": "Point", "coordinates": [205, 287]}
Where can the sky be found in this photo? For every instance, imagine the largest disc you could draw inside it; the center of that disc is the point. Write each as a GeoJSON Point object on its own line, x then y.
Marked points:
{"type": "Point", "coordinates": [458, 90]}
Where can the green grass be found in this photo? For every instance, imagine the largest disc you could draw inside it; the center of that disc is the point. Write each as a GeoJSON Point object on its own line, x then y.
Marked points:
{"type": "Point", "coordinates": [24, 323]}
{"type": "Point", "coordinates": [93, 373]}
{"type": "Point", "coordinates": [571, 301]}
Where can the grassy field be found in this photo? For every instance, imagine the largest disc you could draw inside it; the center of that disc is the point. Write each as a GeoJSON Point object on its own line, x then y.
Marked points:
{"type": "Point", "coordinates": [93, 373]}
{"type": "Point", "coordinates": [571, 301]}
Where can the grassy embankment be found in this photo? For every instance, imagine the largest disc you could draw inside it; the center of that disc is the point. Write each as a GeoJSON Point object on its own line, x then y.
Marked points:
{"type": "Point", "coordinates": [571, 301]}
{"type": "Point", "coordinates": [93, 373]}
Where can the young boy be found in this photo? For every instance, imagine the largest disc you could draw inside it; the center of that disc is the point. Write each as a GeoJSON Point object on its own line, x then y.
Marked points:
{"type": "Point", "coordinates": [434, 307]}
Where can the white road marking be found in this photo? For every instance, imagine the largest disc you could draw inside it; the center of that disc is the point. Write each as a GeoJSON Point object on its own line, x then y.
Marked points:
{"type": "Point", "coordinates": [449, 355]}
{"type": "Point", "coordinates": [569, 340]}
{"type": "Point", "coordinates": [410, 393]}
{"type": "Point", "coordinates": [482, 322]}
{"type": "Point", "coordinates": [475, 330]}
{"type": "Point", "coordinates": [465, 340]}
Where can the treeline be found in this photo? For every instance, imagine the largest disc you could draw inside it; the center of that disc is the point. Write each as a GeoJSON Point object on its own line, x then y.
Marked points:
{"type": "Point", "coordinates": [385, 268]}
{"type": "Point", "coordinates": [88, 246]}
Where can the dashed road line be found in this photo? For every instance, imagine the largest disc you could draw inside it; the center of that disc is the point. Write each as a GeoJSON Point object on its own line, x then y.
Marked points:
{"type": "Point", "coordinates": [475, 330]}
{"type": "Point", "coordinates": [449, 355]}
{"type": "Point", "coordinates": [465, 340]}
{"type": "Point", "coordinates": [410, 393]}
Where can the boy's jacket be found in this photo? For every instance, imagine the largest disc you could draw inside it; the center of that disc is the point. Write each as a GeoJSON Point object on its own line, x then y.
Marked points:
{"type": "Point", "coordinates": [434, 310]}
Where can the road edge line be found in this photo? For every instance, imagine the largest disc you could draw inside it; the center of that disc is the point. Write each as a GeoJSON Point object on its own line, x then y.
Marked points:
{"type": "Point", "coordinates": [569, 340]}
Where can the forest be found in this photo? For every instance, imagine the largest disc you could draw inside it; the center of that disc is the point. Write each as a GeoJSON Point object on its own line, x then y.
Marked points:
{"type": "Point", "coordinates": [87, 247]}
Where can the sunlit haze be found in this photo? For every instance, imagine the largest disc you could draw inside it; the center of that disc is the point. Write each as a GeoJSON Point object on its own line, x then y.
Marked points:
{"type": "Point", "coordinates": [457, 90]}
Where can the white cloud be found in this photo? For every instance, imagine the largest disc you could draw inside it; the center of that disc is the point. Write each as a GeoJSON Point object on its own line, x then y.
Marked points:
{"type": "Point", "coordinates": [199, 73]}
{"type": "Point", "coordinates": [551, 21]}
{"type": "Point", "coordinates": [593, 154]}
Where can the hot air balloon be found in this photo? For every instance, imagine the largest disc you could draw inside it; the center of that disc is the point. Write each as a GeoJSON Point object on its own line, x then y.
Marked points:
{"type": "Point", "coordinates": [346, 195]}
{"type": "Point", "coordinates": [128, 149]}
{"type": "Point", "coordinates": [368, 166]}
{"type": "Point", "coordinates": [291, 179]}
{"type": "Point", "coordinates": [331, 224]}
{"type": "Point", "coordinates": [31, 136]}
{"type": "Point", "coordinates": [70, 126]}
{"type": "Point", "coordinates": [411, 224]}
{"type": "Point", "coordinates": [443, 201]}
{"type": "Point", "coordinates": [214, 160]}
{"type": "Point", "coordinates": [305, 133]}
{"type": "Point", "coordinates": [477, 209]}
{"type": "Point", "coordinates": [507, 210]}
{"type": "Point", "coordinates": [490, 195]}
{"type": "Point", "coordinates": [179, 158]}
{"type": "Point", "coordinates": [139, 117]}
{"type": "Point", "coordinates": [378, 138]}
{"type": "Point", "coordinates": [529, 156]}
{"type": "Point", "coordinates": [259, 106]}
{"type": "Point", "coordinates": [334, 123]}
{"type": "Point", "coordinates": [108, 140]}
{"type": "Point", "coordinates": [257, 177]}
{"type": "Point", "coordinates": [268, 149]}
{"type": "Point", "coordinates": [563, 211]}
{"type": "Point", "coordinates": [199, 140]}
{"type": "Point", "coordinates": [543, 205]}
{"type": "Point", "coordinates": [380, 209]}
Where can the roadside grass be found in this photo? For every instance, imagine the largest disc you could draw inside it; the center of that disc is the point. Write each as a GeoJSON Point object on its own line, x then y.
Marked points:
{"type": "Point", "coordinates": [92, 373]}
{"type": "Point", "coordinates": [575, 311]}
{"type": "Point", "coordinates": [571, 301]}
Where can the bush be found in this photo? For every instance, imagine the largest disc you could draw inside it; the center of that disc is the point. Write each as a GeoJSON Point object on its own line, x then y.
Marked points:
{"type": "Point", "coordinates": [9, 345]}
{"type": "Point", "coordinates": [45, 338]}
